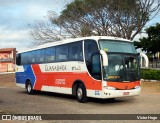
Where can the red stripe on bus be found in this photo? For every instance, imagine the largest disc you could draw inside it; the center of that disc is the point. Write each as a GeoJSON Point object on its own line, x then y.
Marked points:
{"type": "Point", "coordinates": [67, 78]}
{"type": "Point", "coordinates": [124, 85]}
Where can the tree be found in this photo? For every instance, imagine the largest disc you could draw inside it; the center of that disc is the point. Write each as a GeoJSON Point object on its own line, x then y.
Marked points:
{"type": "Point", "coordinates": [120, 18]}
{"type": "Point", "coordinates": [150, 44]}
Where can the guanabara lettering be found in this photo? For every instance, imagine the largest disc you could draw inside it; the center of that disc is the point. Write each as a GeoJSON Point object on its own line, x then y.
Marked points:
{"type": "Point", "coordinates": [55, 68]}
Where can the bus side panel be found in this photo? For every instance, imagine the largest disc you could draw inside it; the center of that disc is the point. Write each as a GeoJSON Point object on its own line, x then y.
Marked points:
{"type": "Point", "coordinates": [63, 79]}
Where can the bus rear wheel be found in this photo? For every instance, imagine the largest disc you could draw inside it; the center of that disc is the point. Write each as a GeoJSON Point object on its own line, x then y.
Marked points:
{"type": "Point", "coordinates": [81, 94]}
{"type": "Point", "coordinates": [29, 88]}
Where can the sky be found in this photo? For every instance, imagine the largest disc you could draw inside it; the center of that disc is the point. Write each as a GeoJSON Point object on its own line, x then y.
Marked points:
{"type": "Point", "coordinates": [15, 15]}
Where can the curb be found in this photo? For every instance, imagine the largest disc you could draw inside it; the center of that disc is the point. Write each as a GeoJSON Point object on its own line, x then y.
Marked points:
{"type": "Point", "coordinates": [147, 80]}
{"type": "Point", "coordinates": [7, 72]}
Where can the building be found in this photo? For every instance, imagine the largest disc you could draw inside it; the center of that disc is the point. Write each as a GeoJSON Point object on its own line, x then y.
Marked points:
{"type": "Point", "coordinates": [158, 55]}
{"type": "Point", "coordinates": [7, 59]}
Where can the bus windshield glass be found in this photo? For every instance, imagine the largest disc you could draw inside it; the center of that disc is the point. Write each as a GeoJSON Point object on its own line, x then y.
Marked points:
{"type": "Point", "coordinates": [117, 46]}
{"type": "Point", "coordinates": [122, 61]}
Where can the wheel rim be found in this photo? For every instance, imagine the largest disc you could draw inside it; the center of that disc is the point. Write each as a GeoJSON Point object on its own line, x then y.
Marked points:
{"type": "Point", "coordinates": [29, 88]}
{"type": "Point", "coordinates": [79, 93]}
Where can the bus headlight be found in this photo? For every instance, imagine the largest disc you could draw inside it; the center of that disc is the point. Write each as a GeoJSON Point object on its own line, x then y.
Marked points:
{"type": "Point", "coordinates": [137, 87]}
{"type": "Point", "coordinates": [109, 88]}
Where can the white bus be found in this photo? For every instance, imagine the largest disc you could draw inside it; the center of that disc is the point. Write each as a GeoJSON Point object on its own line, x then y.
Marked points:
{"type": "Point", "coordinates": [97, 66]}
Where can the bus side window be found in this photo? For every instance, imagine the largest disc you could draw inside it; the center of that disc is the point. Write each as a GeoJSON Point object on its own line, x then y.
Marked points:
{"type": "Point", "coordinates": [62, 53]}
{"type": "Point", "coordinates": [50, 55]}
{"type": "Point", "coordinates": [75, 51]}
{"type": "Point", "coordinates": [24, 58]}
{"type": "Point", "coordinates": [18, 59]}
{"type": "Point", "coordinates": [96, 66]}
{"type": "Point", "coordinates": [90, 47]}
{"type": "Point", "coordinates": [31, 57]}
{"type": "Point", "coordinates": [40, 56]}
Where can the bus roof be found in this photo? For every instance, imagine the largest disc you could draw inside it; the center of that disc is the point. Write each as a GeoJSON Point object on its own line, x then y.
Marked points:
{"type": "Point", "coordinates": [70, 40]}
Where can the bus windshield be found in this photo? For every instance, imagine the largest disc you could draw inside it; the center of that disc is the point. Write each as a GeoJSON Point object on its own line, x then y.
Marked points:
{"type": "Point", "coordinates": [122, 61]}
{"type": "Point", "coordinates": [117, 46]}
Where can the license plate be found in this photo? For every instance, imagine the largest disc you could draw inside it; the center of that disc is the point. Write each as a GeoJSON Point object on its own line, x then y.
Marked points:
{"type": "Point", "coordinates": [125, 93]}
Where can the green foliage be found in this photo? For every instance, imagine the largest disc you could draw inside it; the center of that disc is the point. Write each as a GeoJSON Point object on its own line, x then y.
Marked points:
{"type": "Point", "coordinates": [150, 74]}
{"type": "Point", "coordinates": [79, 18]}
{"type": "Point", "coordinates": [152, 42]}
{"type": "Point", "coordinates": [104, 17]}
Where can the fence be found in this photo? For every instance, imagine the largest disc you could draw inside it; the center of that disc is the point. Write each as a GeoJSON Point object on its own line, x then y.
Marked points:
{"type": "Point", "coordinates": [154, 63]}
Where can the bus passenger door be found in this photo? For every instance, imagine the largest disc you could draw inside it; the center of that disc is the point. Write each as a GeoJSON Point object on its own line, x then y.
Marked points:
{"type": "Point", "coordinates": [99, 64]}
{"type": "Point", "coordinates": [96, 67]}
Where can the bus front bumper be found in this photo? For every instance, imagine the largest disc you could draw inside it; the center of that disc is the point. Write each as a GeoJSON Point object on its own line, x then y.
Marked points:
{"type": "Point", "coordinates": [120, 93]}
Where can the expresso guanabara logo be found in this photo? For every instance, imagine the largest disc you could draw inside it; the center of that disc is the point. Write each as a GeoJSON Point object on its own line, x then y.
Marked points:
{"type": "Point", "coordinates": [55, 68]}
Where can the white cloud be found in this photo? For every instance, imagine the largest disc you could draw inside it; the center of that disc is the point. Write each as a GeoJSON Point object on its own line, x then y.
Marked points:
{"type": "Point", "coordinates": [16, 14]}
{"type": "Point", "coordinates": [18, 39]}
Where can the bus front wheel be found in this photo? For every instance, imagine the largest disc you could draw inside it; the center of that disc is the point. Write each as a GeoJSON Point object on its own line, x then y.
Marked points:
{"type": "Point", "coordinates": [81, 94]}
{"type": "Point", "coordinates": [29, 88]}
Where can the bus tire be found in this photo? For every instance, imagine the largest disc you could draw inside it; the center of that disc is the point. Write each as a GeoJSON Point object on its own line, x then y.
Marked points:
{"type": "Point", "coordinates": [29, 88]}
{"type": "Point", "coordinates": [81, 94]}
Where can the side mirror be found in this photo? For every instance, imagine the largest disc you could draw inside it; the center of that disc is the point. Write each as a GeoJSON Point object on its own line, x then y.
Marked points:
{"type": "Point", "coordinates": [146, 61]}
{"type": "Point", "coordinates": [104, 58]}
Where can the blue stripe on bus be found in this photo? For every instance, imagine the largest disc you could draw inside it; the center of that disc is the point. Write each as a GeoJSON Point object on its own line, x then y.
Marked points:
{"type": "Point", "coordinates": [28, 73]}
